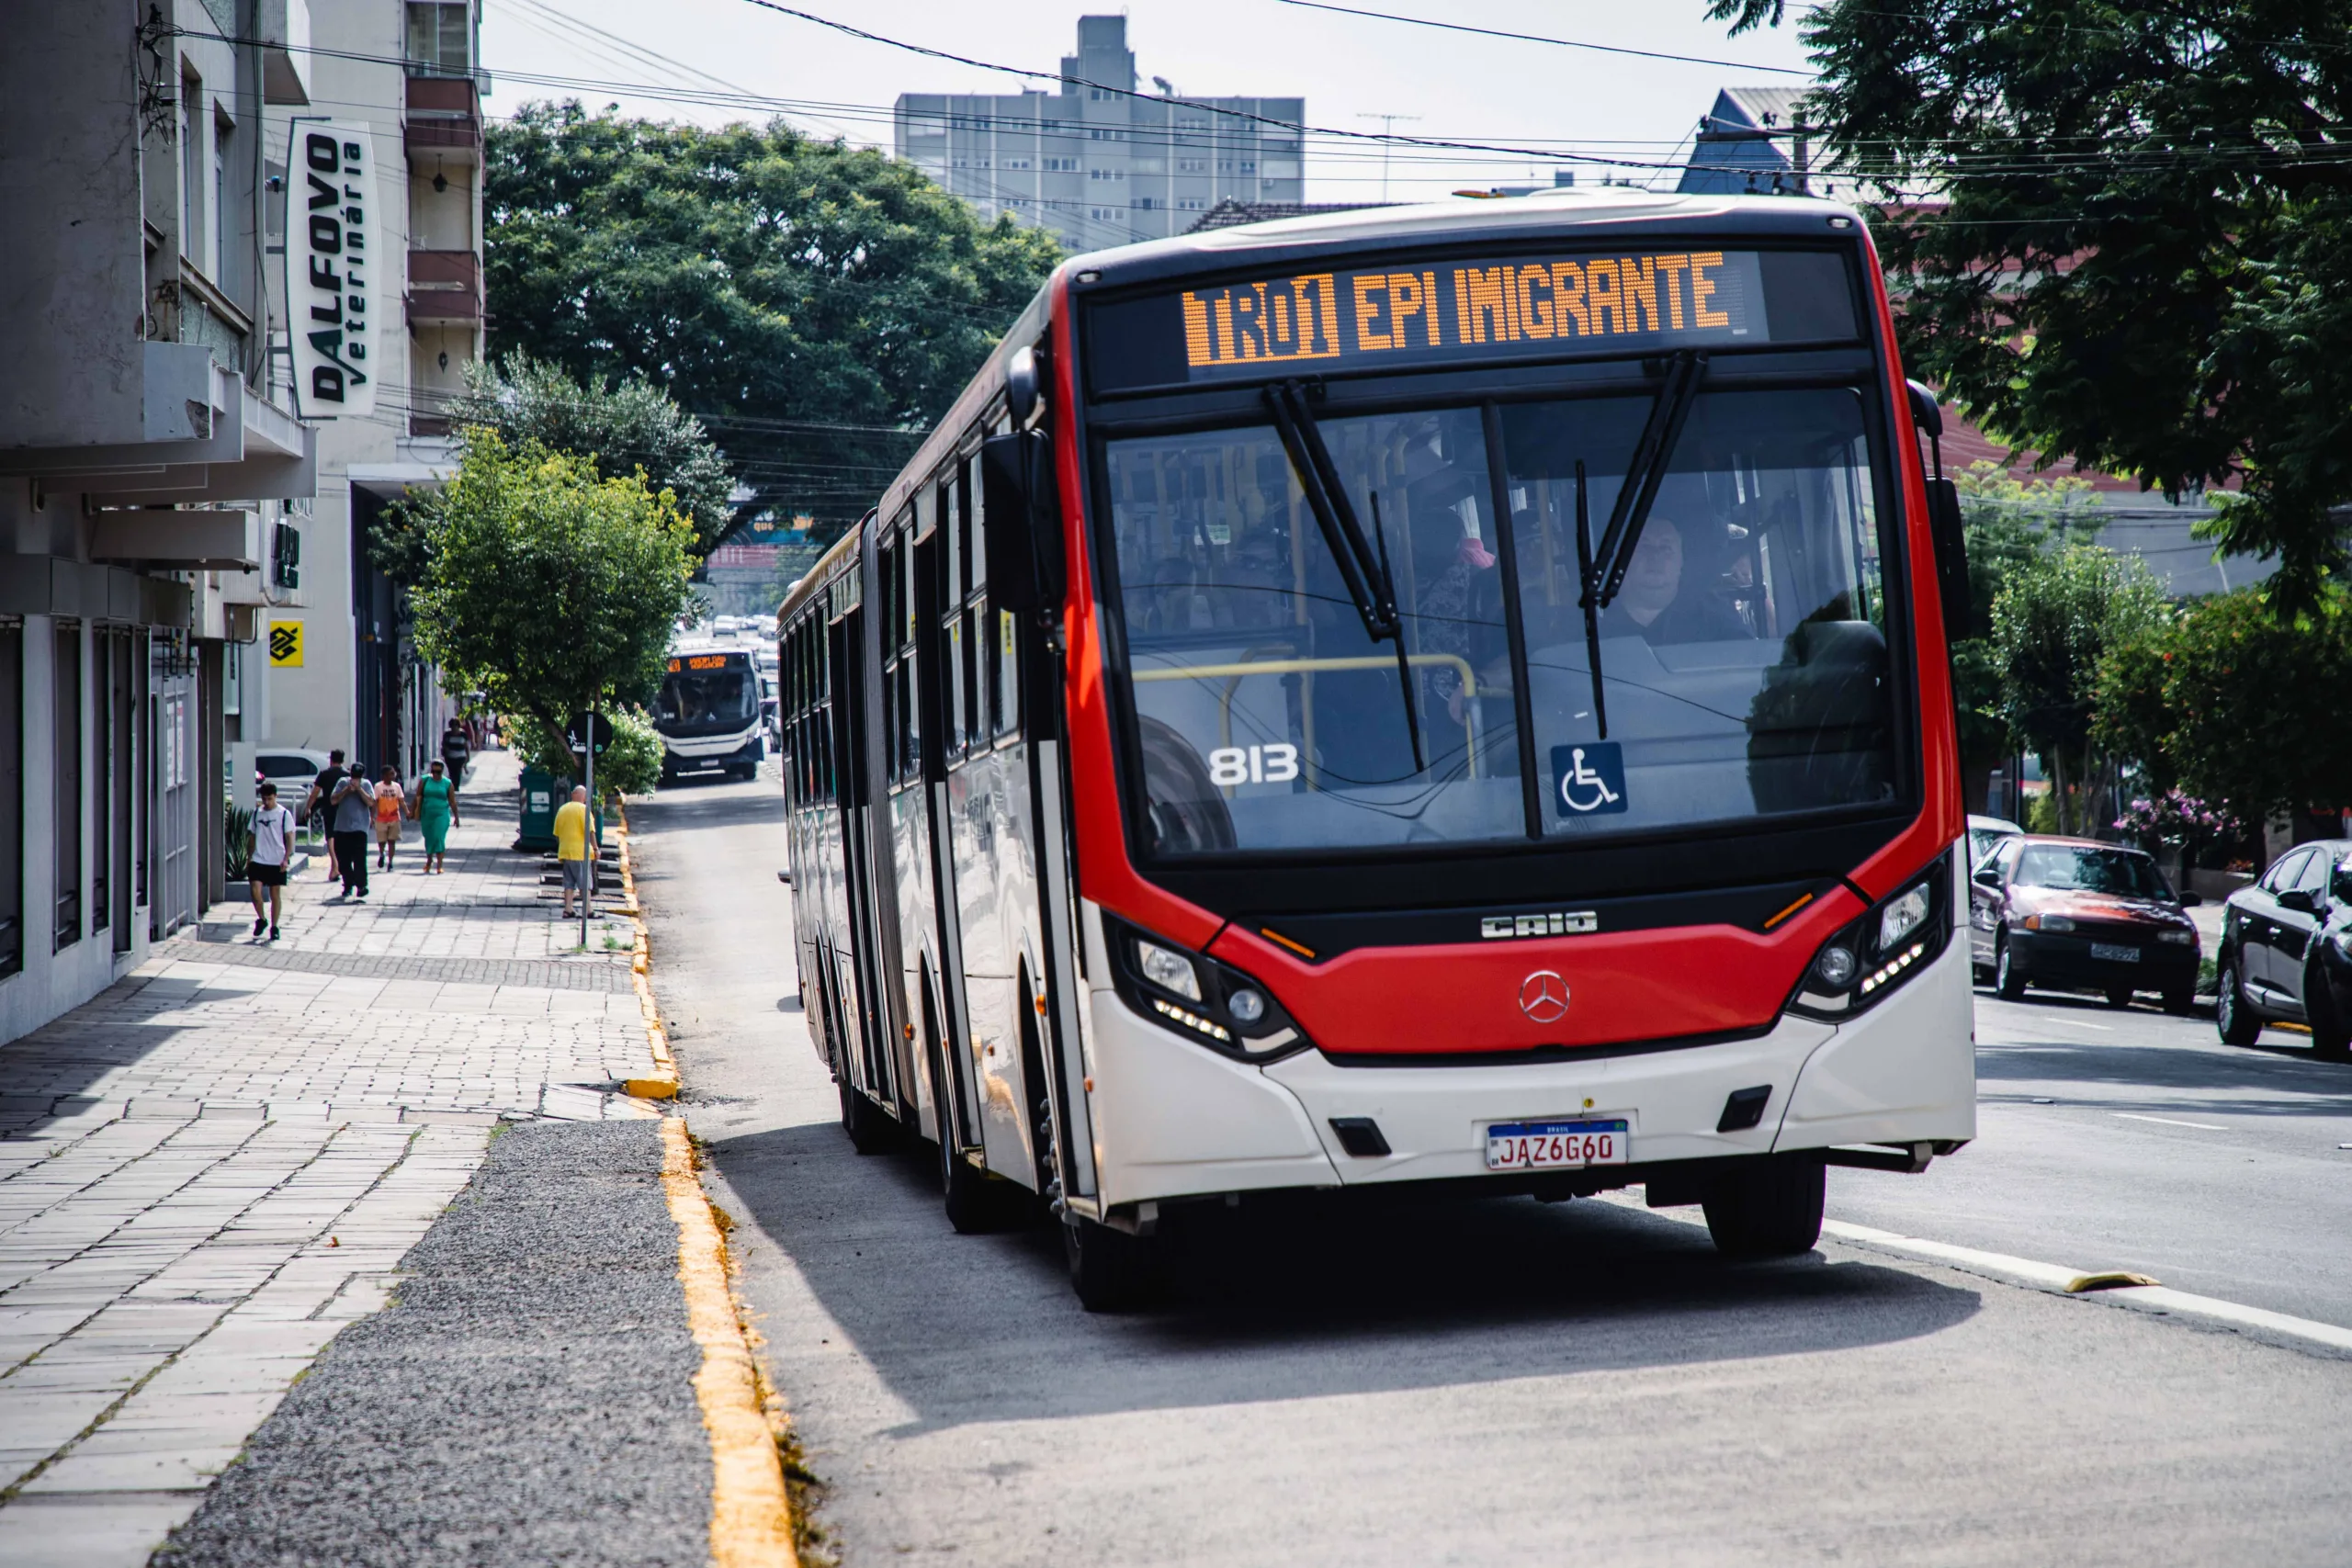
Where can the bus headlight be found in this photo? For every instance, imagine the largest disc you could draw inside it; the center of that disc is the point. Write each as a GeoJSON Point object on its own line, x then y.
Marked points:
{"type": "Point", "coordinates": [1894, 938]}
{"type": "Point", "coordinates": [1167, 969]}
{"type": "Point", "coordinates": [1198, 997]}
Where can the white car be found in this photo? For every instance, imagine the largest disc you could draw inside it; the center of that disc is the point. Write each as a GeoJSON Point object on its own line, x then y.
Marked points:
{"type": "Point", "coordinates": [1986, 834]}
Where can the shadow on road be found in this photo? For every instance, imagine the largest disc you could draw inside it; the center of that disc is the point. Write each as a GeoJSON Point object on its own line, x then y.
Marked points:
{"type": "Point", "coordinates": [1320, 1298]}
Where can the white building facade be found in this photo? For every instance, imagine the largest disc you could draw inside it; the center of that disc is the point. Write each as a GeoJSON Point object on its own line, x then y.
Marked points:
{"type": "Point", "coordinates": [1096, 163]}
{"type": "Point", "coordinates": [408, 72]}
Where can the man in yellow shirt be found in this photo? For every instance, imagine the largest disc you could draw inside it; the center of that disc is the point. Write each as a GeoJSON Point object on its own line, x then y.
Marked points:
{"type": "Point", "coordinates": [571, 848]}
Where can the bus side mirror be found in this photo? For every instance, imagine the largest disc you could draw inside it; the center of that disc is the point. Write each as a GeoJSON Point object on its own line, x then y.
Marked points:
{"type": "Point", "coordinates": [1951, 536]}
{"type": "Point", "coordinates": [1024, 522]}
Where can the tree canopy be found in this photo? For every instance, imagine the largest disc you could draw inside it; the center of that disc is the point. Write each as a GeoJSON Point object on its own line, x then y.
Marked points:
{"type": "Point", "coordinates": [2058, 614]}
{"type": "Point", "coordinates": [633, 425]}
{"type": "Point", "coordinates": [816, 305]}
{"type": "Point", "coordinates": [2237, 703]}
{"type": "Point", "coordinates": [2138, 252]}
{"type": "Point", "coordinates": [549, 589]}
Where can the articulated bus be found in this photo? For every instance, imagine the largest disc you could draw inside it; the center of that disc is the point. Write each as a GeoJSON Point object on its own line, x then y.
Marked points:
{"type": "Point", "coordinates": [707, 713]}
{"type": "Point", "coordinates": [1444, 698]}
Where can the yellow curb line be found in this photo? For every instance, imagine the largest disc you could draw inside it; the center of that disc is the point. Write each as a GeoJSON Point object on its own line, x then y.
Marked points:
{"type": "Point", "coordinates": [751, 1514]}
{"type": "Point", "coordinates": [662, 1083]}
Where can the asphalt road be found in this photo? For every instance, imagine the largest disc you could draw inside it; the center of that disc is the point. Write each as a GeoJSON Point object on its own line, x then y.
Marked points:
{"type": "Point", "coordinates": [1575, 1381]}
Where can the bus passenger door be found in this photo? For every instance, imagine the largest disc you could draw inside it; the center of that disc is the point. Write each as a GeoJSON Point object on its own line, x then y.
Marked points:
{"type": "Point", "coordinates": [863, 1000]}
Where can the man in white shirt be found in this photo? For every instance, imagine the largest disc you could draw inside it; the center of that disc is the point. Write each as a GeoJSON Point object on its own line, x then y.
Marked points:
{"type": "Point", "coordinates": [272, 850]}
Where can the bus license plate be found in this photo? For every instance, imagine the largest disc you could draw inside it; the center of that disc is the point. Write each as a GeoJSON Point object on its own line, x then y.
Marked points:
{"type": "Point", "coordinates": [2109, 952]}
{"type": "Point", "coordinates": [1549, 1146]}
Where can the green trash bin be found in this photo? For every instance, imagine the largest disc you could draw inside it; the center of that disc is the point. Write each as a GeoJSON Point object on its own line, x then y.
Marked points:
{"type": "Point", "coordinates": [537, 834]}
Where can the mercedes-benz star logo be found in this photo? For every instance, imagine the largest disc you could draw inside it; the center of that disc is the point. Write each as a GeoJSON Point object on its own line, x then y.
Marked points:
{"type": "Point", "coordinates": [1543, 997]}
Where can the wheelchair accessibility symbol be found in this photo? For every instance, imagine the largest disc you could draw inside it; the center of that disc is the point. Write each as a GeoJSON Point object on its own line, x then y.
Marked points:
{"type": "Point", "coordinates": [1590, 778]}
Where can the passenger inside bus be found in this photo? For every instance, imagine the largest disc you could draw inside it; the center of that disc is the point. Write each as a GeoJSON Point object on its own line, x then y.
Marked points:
{"type": "Point", "coordinates": [1661, 602]}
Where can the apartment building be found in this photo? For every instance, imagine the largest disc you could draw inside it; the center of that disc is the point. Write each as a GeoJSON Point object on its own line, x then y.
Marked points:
{"type": "Point", "coordinates": [402, 78]}
{"type": "Point", "coordinates": [153, 480]}
{"type": "Point", "coordinates": [1096, 163]}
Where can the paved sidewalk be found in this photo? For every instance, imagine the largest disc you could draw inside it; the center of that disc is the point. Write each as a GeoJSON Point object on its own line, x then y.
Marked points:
{"type": "Point", "coordinates": [207, 1170]}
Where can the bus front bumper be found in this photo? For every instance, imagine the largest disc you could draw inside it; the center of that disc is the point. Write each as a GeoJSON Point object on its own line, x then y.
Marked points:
{"type": "Point", "coordinates": [1185, 1122]}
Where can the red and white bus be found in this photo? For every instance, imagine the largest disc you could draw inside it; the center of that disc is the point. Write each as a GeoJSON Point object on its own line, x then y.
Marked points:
{"type": "Point", "coordinates": [1433, 695]}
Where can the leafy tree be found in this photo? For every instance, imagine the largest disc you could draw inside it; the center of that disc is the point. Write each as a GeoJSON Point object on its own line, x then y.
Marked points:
{"type": "Point", "coordinates": [816, 305]}
{"type": "Point", "coordinates": [2145, 263]}
{"type": "Point", "coordinates": [2059, 613]}
{"type": "Point", "coordinates": [635, 424]}
{"type": "Point", "coordinates": [548, 588]}
{"type": "Point", "coordinates": [2237, 702]}
{"type": "Point", "coordinates": [2010, 522]}
{"type": "Point", "coordinates": [630, 762]}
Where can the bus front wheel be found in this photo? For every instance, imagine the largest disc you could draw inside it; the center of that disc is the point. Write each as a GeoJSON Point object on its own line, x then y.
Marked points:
{"type": "Point", "coordinates": [1767, 1206]}
{"type": "Point", "coordinates": [1111, 1270]}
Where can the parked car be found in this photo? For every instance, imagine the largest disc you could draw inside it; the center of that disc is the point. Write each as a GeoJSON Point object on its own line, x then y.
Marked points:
{"type": "Point", "coordinates": [291, 769]}
{"type": "Point", "coordinates": [2286, 953]}
{"type": "Point", "coordinates": [1986, 834]}
{"type": "Point", "coordinates": [2074, 914]}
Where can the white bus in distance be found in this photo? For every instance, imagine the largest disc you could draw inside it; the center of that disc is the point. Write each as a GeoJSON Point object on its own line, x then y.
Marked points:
{"type": "Point", "coordinates": [708, 712]}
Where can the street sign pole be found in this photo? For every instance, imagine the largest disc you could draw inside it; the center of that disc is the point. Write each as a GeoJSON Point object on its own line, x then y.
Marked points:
{"type": "Point", "coordinates": [589, 828]}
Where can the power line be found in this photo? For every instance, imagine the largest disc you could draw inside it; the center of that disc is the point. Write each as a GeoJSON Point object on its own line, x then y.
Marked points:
{"type": "Point", "coordinates": [1558, 42]}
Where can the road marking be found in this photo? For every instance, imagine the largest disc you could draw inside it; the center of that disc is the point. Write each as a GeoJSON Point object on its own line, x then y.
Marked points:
{"type": "Point", "coordinates": [2157, 1299]}
{"type": "Point", "coordinates": [751, 1514]}
{"type": "Point", "coordinates": [2078, 1023]}
{"type": "Point", "coordinates": [2169, 1122]}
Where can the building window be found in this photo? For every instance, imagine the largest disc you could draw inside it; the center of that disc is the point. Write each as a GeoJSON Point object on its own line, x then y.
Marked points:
{"type": "Point", "coordinates": [1020, 162]}
{"type": "Point", "coordinates": [1108, 214]}
{"type": "Point", "coordinates": [1249, 165]}
{"type": "Point", "coordinates": [65, 824]}
{"type": "Point", "coordinates": [218, 266]}
{"type": "Point", "coordinates": [1106, 133]}
{"type": "Point", "coordinates": [1191, 204]}
{"type": "Point", "coordinates": [440, 38]}
{"type": "Point", "coordinates": [1062, 165]}
{"type": "Point", "coordinates": [1106, 174]}
{"type": "Point", "coordinates": [192, 178]}
{"type": "Point", "coordinates": [1191, 165]}
{"type": "Point", "coordinates": [1146, 203]}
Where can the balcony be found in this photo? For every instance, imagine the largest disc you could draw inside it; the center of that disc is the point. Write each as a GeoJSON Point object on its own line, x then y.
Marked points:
{"type": "Point", "coordinates": [443, 288]}
{"type": "Point", "coordinates": [443, 119]}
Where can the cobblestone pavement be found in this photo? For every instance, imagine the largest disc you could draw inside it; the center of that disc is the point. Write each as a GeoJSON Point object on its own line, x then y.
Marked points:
{"type": "Point", "coordinates": [207, 1170]}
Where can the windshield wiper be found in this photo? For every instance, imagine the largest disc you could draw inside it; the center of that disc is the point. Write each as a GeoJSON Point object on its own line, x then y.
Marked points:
{"type": "Point", "coordinates": [1605, 574]}
{"type": "Point", "coordinates": [1591, 610]}
{"type": "Point", "coordinates": [1371, 586]}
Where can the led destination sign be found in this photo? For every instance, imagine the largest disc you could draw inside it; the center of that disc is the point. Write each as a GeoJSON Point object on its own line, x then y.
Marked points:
{"type": "Point", "coordinates": [1365, 318]}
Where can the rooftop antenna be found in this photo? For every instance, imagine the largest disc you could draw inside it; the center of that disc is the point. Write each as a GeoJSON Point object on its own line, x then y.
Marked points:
{"type": "Point", "coordinates": [1388, 129]}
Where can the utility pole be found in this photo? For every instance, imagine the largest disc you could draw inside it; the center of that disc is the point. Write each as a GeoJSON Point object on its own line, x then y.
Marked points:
{"type": "Point", "coordinates": [1387, 128]}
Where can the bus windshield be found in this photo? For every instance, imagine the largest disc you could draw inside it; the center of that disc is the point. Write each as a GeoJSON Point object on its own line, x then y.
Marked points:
{"type": "Point", "coordinates": [1743, 663]}
{"type": "Point", "coordinates": [707, 695]}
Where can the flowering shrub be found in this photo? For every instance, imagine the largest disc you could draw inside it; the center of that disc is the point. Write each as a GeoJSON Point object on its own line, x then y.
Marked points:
{"type": "Point", "coordinates": [2178, 821]}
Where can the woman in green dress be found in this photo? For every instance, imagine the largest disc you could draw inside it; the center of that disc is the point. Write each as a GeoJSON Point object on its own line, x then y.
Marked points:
{"type": "Point", "coordinates": [437, 809]}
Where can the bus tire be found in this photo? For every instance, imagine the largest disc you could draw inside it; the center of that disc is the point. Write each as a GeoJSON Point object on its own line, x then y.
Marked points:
{"type": "Point", "coordinates": [1767, 1206]}
{"type": "Point", "coordinates": [870, 1128]}
{"type": "Point", "coordinates": [1111, 1270]}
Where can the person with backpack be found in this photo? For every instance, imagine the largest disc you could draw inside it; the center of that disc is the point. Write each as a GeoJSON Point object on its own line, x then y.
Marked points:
{"type": "Point", "coordinates": [272, 853]}
{"type": "Point", "coordinates": [319, 804]}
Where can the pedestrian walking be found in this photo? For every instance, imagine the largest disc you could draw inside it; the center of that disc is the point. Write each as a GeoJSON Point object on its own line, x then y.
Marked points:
{"type": "Point", "coordinates": [573, 850]}
{"type": "Point", "coordinates": [391, 804]}
{"type": "Point", "coordinates": [272, 853]}
{"type": "Point", "coordinates": [457, 751]}
{"type": "Point", "coordinates": [436, 813]}
{"type": "Point", "coordinates": [320, 803]}
{"type": "Point", "coordinates": [355, 812]}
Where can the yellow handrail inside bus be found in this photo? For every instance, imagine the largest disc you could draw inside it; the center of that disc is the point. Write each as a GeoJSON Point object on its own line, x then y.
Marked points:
{"type": "Point", "coordinates": [1310, 667]}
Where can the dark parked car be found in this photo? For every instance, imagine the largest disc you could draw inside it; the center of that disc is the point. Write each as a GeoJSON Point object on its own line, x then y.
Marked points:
{"type": "Point", "coordinates": [2286, 949]}
{"type": "Point", "coordinates": [2074, 914]}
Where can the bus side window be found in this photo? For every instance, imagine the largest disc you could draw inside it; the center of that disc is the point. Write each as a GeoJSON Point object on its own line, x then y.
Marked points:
{"type": "Point", "coordinates": [956, 710]}
{"type": "Point", "coordinates": [1005, 658]}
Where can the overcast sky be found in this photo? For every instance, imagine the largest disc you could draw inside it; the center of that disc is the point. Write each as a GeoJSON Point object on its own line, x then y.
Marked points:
{"type": "Point", "coordinates": [1462, 87]}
